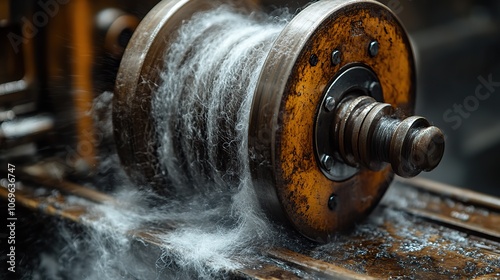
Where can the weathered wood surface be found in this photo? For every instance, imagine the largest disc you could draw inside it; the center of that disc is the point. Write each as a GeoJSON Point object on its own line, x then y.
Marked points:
{"type": "Point", "coordinates": [421, 230]}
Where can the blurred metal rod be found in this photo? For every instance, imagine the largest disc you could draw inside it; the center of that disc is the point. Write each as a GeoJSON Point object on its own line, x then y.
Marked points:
{"type": "Point", "coordinates": [25, 130]}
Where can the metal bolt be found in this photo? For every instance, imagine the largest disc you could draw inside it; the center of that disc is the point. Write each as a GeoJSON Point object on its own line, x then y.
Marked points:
{"type": "Point", "coordinates": [336, 57]}
{"type": "Point", "coordinates": [313, 60]}
{"type": "Point", "coordinates": [374, 48]}
{"type": "Point", "coordinates": [373, 86]}
{"type": "Point", "coordinates": [332, 202]}
{"type": "Point", "coordinates": [330, 104]}
{"type": "Point", "coordinates": [375, 89]}
{"type": "Point", "coordinates": [327, 162]}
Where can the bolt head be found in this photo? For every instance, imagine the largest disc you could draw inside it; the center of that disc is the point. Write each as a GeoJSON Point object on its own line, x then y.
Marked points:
{"type": "Point", "coordinates": [327, 162]}
{"type": "Point", "coordinates": [313, 60]}
{"type": "Point", "coordinates": [375, 89]}
{"type": "Point", "coordinates": [336, 57]}
{"type": "Point", "coordinates": [330, 104]}
{"type": "Point", "coordinates": [332, 202]}
{"type": "Point", "coordinates": [373, 48]}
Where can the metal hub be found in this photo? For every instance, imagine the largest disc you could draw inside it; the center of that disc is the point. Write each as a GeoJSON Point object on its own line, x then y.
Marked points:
{"type": "Point", "coordinates": [357, 79]}
{"type": "Point", "coordinates": [368, 134]}
{"type": "Point", "coordinates": [354, 129]}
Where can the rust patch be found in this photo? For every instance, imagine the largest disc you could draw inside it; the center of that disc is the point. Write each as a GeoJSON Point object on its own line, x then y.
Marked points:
{"type": "Point", "coordinates": [349, 29]}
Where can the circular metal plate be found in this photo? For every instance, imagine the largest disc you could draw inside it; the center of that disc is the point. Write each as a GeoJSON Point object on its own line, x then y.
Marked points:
{"type": "Point", "coordinates": [292, 85]}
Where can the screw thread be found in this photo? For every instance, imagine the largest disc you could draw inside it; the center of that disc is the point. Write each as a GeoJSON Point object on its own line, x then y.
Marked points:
{"type": "Point", "coordinates": [367, 133]}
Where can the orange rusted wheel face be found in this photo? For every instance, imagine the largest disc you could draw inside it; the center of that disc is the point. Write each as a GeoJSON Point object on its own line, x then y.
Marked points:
{"type": "Point", "coordinates": [296, 75]}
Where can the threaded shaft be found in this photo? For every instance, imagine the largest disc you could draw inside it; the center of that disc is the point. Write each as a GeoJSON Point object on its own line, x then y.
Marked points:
{"type": "Point", "coordinates": [367, 133]}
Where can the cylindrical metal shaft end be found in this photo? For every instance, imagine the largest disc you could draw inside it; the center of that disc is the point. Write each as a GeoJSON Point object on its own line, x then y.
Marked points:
{"type": "Point", "coordinates": [367, 133]}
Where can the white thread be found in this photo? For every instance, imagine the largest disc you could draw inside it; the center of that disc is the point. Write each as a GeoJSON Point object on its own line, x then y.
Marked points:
{"type": "Point", "coordinates": [202, 111]}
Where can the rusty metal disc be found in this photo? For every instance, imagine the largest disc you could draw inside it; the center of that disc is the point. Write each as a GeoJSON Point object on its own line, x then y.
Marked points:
{"type": "Point", "coordinates": [298, 71]}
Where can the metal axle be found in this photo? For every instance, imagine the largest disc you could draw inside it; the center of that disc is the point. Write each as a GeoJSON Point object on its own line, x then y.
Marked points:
{"type": "Point", "coordinates": [367, 133]}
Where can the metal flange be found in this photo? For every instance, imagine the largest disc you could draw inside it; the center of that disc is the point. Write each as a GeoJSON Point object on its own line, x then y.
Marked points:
{"type": "Point", "coordinates": [355, 79]}
{"type": "Point", "coordinates": [299, 71]}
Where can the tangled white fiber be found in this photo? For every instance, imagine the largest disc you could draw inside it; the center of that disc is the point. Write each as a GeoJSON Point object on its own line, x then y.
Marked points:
{"type": "Point", "coordinates": [212, 223]}
{"type": "Point", "coordinates": [202, 111]}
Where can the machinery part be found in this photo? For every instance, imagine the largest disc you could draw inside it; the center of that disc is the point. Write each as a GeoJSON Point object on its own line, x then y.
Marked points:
{"type": "Point", "coordinates": [57, 56]}
{"type": "Point", "coordinates": [367, 135]}
{"type": "Point", "coordinates": [292, 183]}
{"type": "Point", "coordinates": [358, 78]}
{"type": "Point", "coordinates": [25, 130]}
{"type": "Point", "coordinates": [118, 27]}
{"type": "Point", "coordinates": [328, 40]}
{"type": "Point", "coordinates": [19, 74]}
